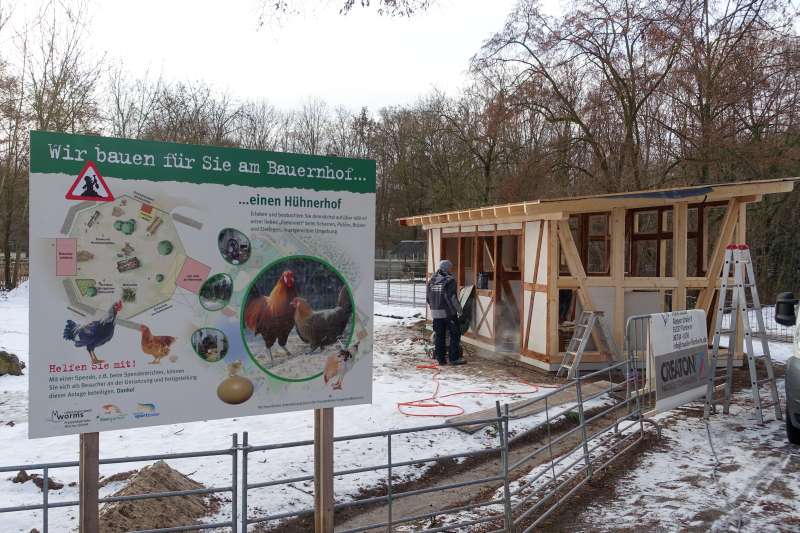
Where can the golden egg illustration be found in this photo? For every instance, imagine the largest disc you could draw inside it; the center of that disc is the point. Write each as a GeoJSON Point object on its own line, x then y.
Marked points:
{"type": "Point", "coordinates": [235, 390]}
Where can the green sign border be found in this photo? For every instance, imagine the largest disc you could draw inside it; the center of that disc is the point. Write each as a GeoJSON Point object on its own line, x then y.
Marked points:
{"type": "Point", "coordinates": [319, 173]}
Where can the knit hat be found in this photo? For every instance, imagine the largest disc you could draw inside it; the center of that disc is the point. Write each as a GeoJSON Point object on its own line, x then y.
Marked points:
{"type": "Point", "coordinates": [445, 265]}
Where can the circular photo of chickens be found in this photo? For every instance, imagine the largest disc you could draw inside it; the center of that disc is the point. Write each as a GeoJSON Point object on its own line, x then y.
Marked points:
{"type": "Point", "coordinates": [296, 314]}
{"type": "Point", "coordinates": [216, 292]}
{"type": "Point", "coordinates": [234, 246]}
{"type": "Point", "coordinates": [210, 344]}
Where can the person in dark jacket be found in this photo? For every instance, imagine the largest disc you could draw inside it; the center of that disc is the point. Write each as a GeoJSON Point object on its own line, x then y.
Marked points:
{"type": "Point", "coordinates": [445, 312]}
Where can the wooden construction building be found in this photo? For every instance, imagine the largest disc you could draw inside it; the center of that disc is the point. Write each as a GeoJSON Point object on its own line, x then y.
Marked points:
{"type": "Point", "coordinates": [536, 264]}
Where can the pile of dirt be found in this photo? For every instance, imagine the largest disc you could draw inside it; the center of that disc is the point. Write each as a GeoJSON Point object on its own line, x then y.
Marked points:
{"type": "Point", "coordinates": [23, 477]}
{"type": "Point", "coordinates": [10, 364]}
{"type": "Point", "coordinates": [155, 513]}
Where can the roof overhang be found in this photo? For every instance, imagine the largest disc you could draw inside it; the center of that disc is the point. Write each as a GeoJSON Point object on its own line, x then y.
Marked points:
{"type": "Point", "coordinates": [748, 191]}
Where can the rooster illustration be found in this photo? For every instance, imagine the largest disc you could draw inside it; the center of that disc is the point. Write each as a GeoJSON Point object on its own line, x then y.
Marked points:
{"type": "Point", "coordinates": [93, 334]}
{"type": "Point", "coordinates": [272, 316]}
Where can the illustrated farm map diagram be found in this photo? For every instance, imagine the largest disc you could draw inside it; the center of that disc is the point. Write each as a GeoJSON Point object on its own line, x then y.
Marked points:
{"type": "Point", "coordinates": [124, 247]}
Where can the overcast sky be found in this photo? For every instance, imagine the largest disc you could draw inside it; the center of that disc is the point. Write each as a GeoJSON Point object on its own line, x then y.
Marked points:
{"type": "Point", "coordinates": [354, 60]}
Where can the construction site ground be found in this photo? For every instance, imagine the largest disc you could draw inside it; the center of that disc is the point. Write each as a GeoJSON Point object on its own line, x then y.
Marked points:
{"type": "Point", "coordinates": [750, 482]}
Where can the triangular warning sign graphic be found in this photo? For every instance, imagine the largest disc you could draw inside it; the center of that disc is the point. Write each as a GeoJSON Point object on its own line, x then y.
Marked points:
{"type": "Point", "coordinates": [90, 186]}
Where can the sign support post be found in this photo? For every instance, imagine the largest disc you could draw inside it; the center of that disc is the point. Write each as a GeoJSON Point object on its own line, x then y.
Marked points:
{"type": "Point", "coordinates": [323, 470]}
{"type": "Point", "coordinates": [88, 482]}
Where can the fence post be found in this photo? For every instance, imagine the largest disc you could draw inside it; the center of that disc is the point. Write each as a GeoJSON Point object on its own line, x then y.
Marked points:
{"type": "Point", "coordinates": [45, 490]}
{"type": "Point", "coordinates": [389, 281]}
{"type": "Point", "coordinates": [502, 432]}
{"type": "Point", "coordinates": [389, 478]}
{"type": "Point", "coordinates": [582, 422]}
{"type": "Point", "coordinates": [244, 482]}
{"type": "Point", "coordinates": [413, 288]}
{"type": "Point", "coordinates": [234, 482]}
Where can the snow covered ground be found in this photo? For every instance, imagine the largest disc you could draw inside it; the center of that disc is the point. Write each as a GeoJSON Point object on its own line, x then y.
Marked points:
{"type": "Point", "coordinates": [680, 487]}
{"type": "Point", "coordinates": [396, 379]}
{"type": "Point", "coordinates": [758, 481]}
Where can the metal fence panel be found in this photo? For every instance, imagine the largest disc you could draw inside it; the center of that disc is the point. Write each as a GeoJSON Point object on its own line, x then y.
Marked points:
{"type": "Point", "coordinates": [399, 282]}
{"type": "Point", "coordinates": [527, 487]}
{"type": "Point", "coordinates": [46, 505]}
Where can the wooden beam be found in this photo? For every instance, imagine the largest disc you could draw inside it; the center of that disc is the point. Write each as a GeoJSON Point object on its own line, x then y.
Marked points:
{"type": "Point", "coordinates": [576, 269]}
{"type": "Point", "coordinates": [680, 221]}
{"type": "Point", "coordinates": [552, 288]}
{"type": "Point", "coordinates": [476, 219]}
{"type": "Point", "coordinates": [637, 282]}
{"type": "Point", "coordinates": [726, 234]}
{"type": "Point", "coordinates": [491, 256]}
{"type": "Point", "coordinates": [618, 273]}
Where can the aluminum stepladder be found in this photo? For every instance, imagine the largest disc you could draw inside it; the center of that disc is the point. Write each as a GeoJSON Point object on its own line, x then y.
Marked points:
{"type": "Point", "coordinates": [737, 256]}
{"type": "Point", "coordinates": [586, 323]}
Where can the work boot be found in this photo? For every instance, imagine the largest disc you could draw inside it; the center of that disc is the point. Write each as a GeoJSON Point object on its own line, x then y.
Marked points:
{"type": "Point", "coordinates": [441, 362]}
{"type": "Point", "coordinates": [459, 361]}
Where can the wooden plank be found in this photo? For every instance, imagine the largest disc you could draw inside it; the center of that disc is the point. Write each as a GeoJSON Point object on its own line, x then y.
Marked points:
{"type": "Point", "coordinates": [519, 409]}
{"type": "Point", "coordinates": [490, 254]}
{"type": "Point", "coordinates": [89, 482]}
{"type": "Point", "coordinates": [527, 331]}
{"type": "Point", "coordinates": [323, 470]}
{"type": "Point", "coordinates": [680, 221]}
{"type": "Point", "coordinates": [537, 287]}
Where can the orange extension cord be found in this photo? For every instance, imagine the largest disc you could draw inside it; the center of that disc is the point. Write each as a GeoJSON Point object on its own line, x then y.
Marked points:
{"type": "Point", "coordinates": [433, 402]}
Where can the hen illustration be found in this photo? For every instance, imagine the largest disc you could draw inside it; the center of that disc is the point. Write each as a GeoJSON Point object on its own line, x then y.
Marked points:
{"type": "Point", "coordinates": [324, 327]}
{"type": "Point", "coordinates": [93, 334]}
{"type": "Point", "coordinates": [272, 316]}
{"type": "Point", "coordinates": [157, 346]}
{"type": "Point", "coordinates": [336, 366]}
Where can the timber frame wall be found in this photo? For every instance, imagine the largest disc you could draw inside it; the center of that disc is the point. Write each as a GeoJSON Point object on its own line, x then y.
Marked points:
{"type": "Point", "coordinates": [549, 260]}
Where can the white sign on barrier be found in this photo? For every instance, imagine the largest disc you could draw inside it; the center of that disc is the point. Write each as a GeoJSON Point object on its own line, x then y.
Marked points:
{"type": "Point", "coordinates": [679, 342]}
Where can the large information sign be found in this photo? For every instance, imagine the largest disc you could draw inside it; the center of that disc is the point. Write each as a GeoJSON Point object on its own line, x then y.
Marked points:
{"type": "Point", "coordinates": [679, 344]}
{"type": "Point", "coordinates": [172, 283]}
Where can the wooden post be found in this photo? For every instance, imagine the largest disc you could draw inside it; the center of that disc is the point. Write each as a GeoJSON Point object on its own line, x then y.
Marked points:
{"type": "Point", "coordinates": [618, 274]}
{"type": "Point", "coordinates": [88, 482]}
{"type": "Point", "coordinates": [680, 225]}
{"type": "Point", "coordinates": [553, 265]}
{"type": "Point", "coordinates": [323, 470]}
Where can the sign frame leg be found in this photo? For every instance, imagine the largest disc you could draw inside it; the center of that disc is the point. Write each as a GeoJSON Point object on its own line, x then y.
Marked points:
{"type": "Point", "coordinates": [323, 470]}
{"type": "Point", "coordinates": [88, 482]}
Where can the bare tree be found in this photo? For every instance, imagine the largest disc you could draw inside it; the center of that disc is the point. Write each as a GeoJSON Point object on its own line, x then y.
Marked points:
{"type": "Point", "coordinates": [52, 87]}
{"type": "Point", "coordinates": [312, 122]}
{"type": "Point", "coordinates": [62, 77]}
{"type": "Point", "coordinates": [593, 69]}
{"type": "Point", "coordinates": [259, 126]}
{"type": "Point", "coordinates": [130, 104]}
